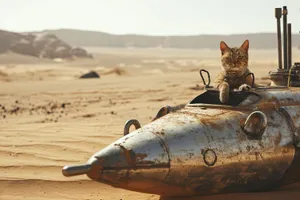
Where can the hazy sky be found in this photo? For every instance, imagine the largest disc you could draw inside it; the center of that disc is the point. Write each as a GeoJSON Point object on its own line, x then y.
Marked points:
{"type": "Point", "coordinates": [155, 17]}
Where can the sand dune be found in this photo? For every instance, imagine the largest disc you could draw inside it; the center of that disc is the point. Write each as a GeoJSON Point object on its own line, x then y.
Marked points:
{"type": "Point", "coordinates": [60, 120]}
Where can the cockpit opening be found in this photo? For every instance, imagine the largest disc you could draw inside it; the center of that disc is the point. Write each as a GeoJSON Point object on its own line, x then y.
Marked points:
{"type": "Point", "coordinates": [240, 98]}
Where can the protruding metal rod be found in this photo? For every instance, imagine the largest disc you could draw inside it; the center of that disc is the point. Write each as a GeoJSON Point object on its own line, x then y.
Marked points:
{"type": "Point", "coordinates": [284, 13]}
{"type": "Point", "coordinates": [278, 13]}
{"type": "Point", "coordinates": [76, 170]}
{"type": "Point", "coordinates": [289, 45]}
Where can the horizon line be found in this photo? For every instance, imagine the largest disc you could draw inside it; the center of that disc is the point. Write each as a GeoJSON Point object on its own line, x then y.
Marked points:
{"type": "Point", "coordinates": [141, 34]}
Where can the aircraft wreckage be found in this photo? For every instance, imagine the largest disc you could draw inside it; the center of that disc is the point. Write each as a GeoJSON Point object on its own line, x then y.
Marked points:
{"type": "Point", "coordinates": [250, 144]}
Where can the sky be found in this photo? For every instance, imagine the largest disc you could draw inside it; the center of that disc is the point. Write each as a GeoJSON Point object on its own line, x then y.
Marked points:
{"type": "Point", "coordinates": [148, 17]}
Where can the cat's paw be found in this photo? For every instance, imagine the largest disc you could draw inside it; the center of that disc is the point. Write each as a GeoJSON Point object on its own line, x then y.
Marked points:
{"type": "Point", "coordinates": [224, 92]}
{"type": "Point", "coordinates": [244, 87]}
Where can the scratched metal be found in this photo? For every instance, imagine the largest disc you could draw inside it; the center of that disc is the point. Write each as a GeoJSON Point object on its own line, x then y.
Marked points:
{"type": "Point", "coordinates": [240, 161]}
{"type": "Point", "coordinates": [202, 149]}
{"type": "Point", "coordinates": [139, 157]}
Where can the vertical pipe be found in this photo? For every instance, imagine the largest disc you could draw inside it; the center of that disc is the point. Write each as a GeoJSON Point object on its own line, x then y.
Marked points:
{"type": "Point", "coordinates": [284, 13]}
{"type": "Point", "coordinates": [278, 13]}
{"type": "Point", "coordinates": [289, 45]}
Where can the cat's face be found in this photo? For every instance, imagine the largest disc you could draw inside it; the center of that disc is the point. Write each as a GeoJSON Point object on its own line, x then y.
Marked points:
{"type": "Point", "coordinates": [234, 60]}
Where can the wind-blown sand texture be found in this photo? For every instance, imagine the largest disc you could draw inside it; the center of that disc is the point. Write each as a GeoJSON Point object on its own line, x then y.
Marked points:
{"type": "Point", "coordinates": [49, 118]}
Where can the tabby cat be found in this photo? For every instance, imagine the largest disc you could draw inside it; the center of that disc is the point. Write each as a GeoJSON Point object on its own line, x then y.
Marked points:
{"type": "Point", "coordinates": [235, 70]}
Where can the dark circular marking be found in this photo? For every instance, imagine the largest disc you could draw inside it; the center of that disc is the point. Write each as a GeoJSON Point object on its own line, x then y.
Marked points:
{"type": "Point", "coordinates": [209, 157]}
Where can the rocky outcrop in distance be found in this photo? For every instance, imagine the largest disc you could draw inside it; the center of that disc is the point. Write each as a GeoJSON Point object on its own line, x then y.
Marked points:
{"type": "Point", "coordinates": [91, 74]}
{"type": "Point", "coordinates": [42, 45]}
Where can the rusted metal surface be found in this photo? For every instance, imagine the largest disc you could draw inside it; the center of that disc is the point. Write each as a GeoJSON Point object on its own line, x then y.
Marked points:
{"type": "Point", "coordinates": [204, 149]}
{"type": "Point", "coordinates": [251, 143]}
{"type": "Point", "coordinates": [238, 158]}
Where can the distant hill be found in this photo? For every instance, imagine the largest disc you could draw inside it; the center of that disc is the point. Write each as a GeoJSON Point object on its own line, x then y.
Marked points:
{"type": "Point", "coordinates": [42, 45]}
{"type": "Point", "coordinates": [102, 39]}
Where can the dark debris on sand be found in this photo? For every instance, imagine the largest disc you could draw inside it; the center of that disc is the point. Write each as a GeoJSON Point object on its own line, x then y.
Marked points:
{"type": "Point", "coordinates": [52, 110]}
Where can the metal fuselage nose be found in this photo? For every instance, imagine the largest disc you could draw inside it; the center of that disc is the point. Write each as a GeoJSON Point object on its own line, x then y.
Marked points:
{"type": "Point", "coordinates": [136, 161]}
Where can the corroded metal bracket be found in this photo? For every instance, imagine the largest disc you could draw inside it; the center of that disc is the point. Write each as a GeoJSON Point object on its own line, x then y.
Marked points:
{"type": "Point", "coordinates": [255, 125]}
{"type": "Point", "coordinates": [129, 123]}
{"type": "Point", "coordinates": [162, 112]}
{"type": "Point", "coordinates": [203, 80]}
{"type": "Point", "coordinates": [167, 109]}
{"type": "Point", "coordinates": [253, 79]}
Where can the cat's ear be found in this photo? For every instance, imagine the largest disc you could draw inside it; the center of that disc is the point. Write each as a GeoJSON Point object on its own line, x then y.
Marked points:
{"type": "Point", "coordinates": [223, 47]}
{"type": "Point", "coordinates": [245, 45]}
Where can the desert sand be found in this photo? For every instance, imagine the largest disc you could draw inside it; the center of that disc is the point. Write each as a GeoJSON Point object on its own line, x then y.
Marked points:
{"type": "Point", "coordinates": [49, 118]}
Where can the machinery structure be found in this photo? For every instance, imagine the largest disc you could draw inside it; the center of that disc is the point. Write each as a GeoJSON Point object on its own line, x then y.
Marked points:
{"type": "Point", "coordinates": [289, 74]}
{"type": "Point", "coordinates": [249, 144]}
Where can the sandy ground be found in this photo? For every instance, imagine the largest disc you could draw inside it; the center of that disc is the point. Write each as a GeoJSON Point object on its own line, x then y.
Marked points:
{"type": "Point", "coordinates": [49, 118]}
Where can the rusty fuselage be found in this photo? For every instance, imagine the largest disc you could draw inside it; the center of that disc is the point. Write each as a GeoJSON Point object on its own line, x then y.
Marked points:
{"type": "Point", "coordinates": [207, 147]}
